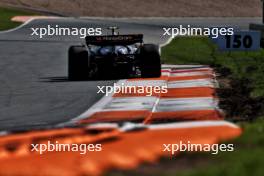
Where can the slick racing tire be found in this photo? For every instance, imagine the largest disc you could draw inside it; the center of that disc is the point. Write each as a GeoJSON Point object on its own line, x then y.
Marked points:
{"type": "Point", "coordinates": [150, 61]}
{"type": "Point", "coordinates": [78, 63]}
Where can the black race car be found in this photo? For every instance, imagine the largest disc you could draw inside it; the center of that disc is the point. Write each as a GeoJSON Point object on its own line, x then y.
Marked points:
{"type": "Point", "coordinates": [114, 56]}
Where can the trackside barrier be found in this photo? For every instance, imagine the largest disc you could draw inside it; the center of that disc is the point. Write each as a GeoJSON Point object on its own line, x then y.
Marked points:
{"type": "Point", "coordinates": [122, 148]}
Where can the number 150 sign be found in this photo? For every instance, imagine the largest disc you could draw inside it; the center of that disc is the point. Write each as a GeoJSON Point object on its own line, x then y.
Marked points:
{"type": "Point", "coordinates": [240, 41]}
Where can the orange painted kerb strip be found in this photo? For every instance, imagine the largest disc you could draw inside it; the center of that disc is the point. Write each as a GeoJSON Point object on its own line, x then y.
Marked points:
{"type": "Point", "coordinates": [23, 19]}
{"type": "Point", "coordinates": [139, 115]}
{"type": "Point", "coordinates": [189, 92]}
{"type": "Point", "coordinates": [126, 151]}
{"type": "Point", "coordinates": [174, 78]}
{"type": "Point", "coordinates": [183, 78]}
{"type": "Point", "coordinates": [194, 70]}
{"type": "Point", "coordinates": [175, 93]}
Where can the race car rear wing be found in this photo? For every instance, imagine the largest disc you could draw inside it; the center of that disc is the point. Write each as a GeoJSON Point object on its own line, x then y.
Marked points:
{"type": "Point", "coordinates": [114, 39]}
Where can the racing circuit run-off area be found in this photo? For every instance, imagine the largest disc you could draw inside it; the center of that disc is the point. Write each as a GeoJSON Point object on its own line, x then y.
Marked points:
{"type": "Point", "coordinates": [109, 96]}
{"type": "Point", "coordinates": [187, 113]}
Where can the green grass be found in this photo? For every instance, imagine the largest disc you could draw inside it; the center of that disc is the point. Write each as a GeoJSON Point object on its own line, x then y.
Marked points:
{"type": "Point", "coordinates": [248, 157]}
{"type": "Point", "coordinates": [5, 17]}
{"type": "Point", "coordinates": [200, 50]}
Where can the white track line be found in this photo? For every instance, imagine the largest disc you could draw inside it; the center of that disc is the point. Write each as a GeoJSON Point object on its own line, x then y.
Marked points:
{"type": "Point", "coordinates": [17, 28]}
{"type": "Point", "coordinates": [193, 124]}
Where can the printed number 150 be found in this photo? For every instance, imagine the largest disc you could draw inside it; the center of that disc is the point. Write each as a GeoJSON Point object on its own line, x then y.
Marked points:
{"type": "Point", "coordinates": [239, 41]}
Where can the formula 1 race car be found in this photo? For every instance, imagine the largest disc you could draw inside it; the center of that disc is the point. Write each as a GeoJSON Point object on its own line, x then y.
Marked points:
{"type": "Point", "coordinates": [114, 56]}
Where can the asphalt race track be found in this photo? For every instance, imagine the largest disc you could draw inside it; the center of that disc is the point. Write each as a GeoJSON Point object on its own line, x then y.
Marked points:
{"type": "Point", "coordinates": [34, 90]}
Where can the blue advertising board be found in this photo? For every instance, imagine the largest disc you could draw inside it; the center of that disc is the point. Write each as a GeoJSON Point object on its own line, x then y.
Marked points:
{"type": "Point", "coordinates": [240, 41]}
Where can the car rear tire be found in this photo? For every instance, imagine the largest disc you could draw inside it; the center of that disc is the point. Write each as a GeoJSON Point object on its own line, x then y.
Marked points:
{"type": "Point", "coordinates": [150, 61]}
{"type": "Point", "coordinates": [78, 63]}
